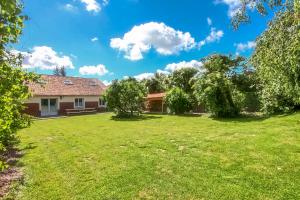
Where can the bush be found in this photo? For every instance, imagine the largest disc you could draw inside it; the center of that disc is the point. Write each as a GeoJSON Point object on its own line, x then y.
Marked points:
{"type": "Point", "coordinates": [125, 97]}
{"type": "Point", "coordinates": [178, 101]}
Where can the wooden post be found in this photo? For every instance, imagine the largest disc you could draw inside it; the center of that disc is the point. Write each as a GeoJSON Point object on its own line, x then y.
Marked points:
{"type": "Point", "coordinates": [162, 106]}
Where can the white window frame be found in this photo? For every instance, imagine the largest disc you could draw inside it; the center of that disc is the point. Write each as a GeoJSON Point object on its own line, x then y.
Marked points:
{"type": "Point", "coordinates": [83, 103]}
{"type": "Point", "coordinates": [101, 105]}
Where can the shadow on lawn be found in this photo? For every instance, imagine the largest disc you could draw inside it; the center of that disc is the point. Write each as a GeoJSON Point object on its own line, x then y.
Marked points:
{"type": "Point", "coordinates": [242, 118]}
{"type": "Point", "coordinates": [13, 172]}
{"type": "Point", "coordinates": [136, 118]}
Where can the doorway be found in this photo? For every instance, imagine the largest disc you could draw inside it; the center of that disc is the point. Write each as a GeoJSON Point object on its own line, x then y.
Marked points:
{"type": "Point", "coordinates": [48, 107]}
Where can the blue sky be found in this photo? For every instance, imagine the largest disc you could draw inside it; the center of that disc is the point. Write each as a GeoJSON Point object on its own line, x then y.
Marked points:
{"type": "Point", "coordinates": [110, 39]}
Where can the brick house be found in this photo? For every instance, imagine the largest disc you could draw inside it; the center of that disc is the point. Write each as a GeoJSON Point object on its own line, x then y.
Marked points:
{"type": "Point", "coordinates": [57, 95]}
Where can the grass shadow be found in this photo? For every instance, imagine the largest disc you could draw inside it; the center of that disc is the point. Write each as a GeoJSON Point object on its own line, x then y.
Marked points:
{"type": "Point", "coordinates": [244, 118]}
{"type": "Point", "coordinates": [135, 118]}
{"type": "Point", "coordinates": [190, 115]}
{"type": "Point", "coordinates": [12, 175]}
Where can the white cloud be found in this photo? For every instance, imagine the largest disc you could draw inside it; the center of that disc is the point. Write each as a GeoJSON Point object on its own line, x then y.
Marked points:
{"type": "Point", "coordinates": [106, 83]}
{"type": "Point", "coordinates": [73, 56]}
{"type": "Point", "coordinates": [242, 47]}
{"type": "Point", "coordinates": [214, 36]}
{"type": "Point", "coordinates": [162, 71]}
{"type": "Point", "coordinates": [164, 39]}
{"type": "Point", "coordinates": [105, 2]}
{"type": "Point", "coordinates": [143, 76]}
{"type": "Point", "coordinates": [235, 6]}
{"type": "Point", "coordinates": [94, 39]}
{"type": "Point", "coordinates": [191, 64]}
{"type": "Point", "coordinates": [69, 7]}
{"type": "Point", "coordinates": [171, 68]}
{"type": "Point", "coordinates": [93, 5]}
{"type": "Point", "coordinates": [209, 21]}
{"type": "Point", "coordinates": [93, 70]}
{"type": "Point", "coordinates": [45, 58]}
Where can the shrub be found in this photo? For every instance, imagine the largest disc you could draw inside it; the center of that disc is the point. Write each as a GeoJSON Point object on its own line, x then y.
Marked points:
{"type": "Point", "coordinates": [178, 101]}
{"type": "Point", "coordinates": [125, 97]}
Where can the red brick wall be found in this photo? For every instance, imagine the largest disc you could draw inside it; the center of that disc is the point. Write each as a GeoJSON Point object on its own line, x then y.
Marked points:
{"type": "Point", "coordinates": [91, 104]}
{"type": "Point", "coordinates": [65, 105]}
{"type": "Point", "coordinates": [32, 109]}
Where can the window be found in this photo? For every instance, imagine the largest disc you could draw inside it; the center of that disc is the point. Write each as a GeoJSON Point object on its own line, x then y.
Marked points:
{"type": "Point", "coordinates": [102, 102]}
{"type": "Point", "coordinates": [79, 103]}
{"type": "Point", "coordinates": [68, 82]}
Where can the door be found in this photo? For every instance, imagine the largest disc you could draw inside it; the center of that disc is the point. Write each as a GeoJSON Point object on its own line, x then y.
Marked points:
{"type": "Point", "coordinates": [48, 107]}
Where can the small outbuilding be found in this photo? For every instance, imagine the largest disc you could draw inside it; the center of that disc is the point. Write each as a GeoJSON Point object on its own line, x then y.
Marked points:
{"type": "Point", "coordinates": [155, 102]}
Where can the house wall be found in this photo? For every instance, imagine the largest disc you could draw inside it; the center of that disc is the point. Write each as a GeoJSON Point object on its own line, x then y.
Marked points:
{"type": "Point", "coordinates": [32, 109]}
{"type": "Point", "coordinates": [33, 104]}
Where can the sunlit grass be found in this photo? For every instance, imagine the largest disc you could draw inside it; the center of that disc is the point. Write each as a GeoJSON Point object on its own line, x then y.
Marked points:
{"type": "Point", "coordinates": [162, 157]}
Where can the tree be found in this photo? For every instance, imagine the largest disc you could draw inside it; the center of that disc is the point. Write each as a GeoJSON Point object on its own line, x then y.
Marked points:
{"type": "Point", "coordinates": [247, 83]}
{"type": "Point", "coordinates": [178, 101]}
{"type": "Point", "coordinates": [13, 90]}
{"type": "Point", "coordinates": [215, 89]}
{"type": "Point", "coordinates": [11, 23]}
{"type": "Point", "coordinates": [242, 16]}
{"type": "Point", "coordinates": [60, 71]}
{"type": "Point", "coordinates": [183, 78]}
{"type": "Point", "coordinates": [276, 60]}
{"type": "Point", "coordinates": [125, 97]}
{"type": "Point", "coordinates": [156, 84]}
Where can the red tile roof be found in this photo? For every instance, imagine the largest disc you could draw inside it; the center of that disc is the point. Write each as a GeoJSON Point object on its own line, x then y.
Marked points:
{"type": "Point", "coordinates": [156, 95]}
{"type": "Point", "coordinates": [52, 85]}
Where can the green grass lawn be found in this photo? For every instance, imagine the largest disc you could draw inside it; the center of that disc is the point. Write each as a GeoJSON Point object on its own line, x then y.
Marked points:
{"type": "Point", "coordinates": [161, 157]}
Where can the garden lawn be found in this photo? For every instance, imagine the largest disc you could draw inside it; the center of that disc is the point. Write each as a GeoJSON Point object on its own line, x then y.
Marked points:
{"type": "Point", "coordinates": [161, 157]}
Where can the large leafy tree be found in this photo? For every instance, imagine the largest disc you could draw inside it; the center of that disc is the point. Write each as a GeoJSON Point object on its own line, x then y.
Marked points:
{"type": "Point", "coordinates": [262, 6]}
{"type": "Point", "coordinates": [125, 97]}
{"type": "Point", "coordinates": [156, 84]}
{"type": "Point", "coordinates": [215, 89]}
{"type": "Point", "coordinates": [277, 62]}
{"type": "Point", "coordinates": [183, 78]}
{"type": "Point", "coordinates": [13, 89]}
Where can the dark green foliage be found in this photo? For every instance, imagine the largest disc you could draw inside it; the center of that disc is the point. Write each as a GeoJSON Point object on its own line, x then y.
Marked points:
{"type": "Point", "coordinates": [125, 97]}
{"type": "Point", "coordinates": [277, 63]}
{"type": "Point", "coordinates": [215, 88]}
{"type": "Point", "coordinates": [178, 101]}
{"type": "Point", "coordinates": [60, 71]}
{"type": "Point", "coordinates": [247, 83]}
{"type": "Point", "coordinates": [183, 78]}
{"type": "Point", "coordinates": [156, 84]}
